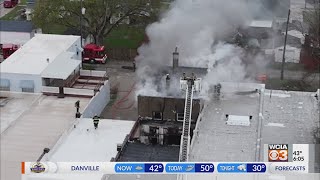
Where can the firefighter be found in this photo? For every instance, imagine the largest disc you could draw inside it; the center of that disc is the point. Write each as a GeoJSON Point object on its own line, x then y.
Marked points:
{"type": "Point", "coordinates": [77, 105]}
{"type": "Point", "coordinates": [184, 76]}
{"type": "Point", "coordinates": [218, 89]}
{"type": "Point", "coordinates": [134, 65]}
{"type": "Point", "coordinates": [193, 77]}
{"type": "Point", "coordinates": [167, 77]}
{"type": "Point", "coordinates": [96, 120]}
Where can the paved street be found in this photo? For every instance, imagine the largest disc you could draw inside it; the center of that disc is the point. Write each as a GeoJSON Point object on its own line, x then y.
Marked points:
{"type": "Point", "coordinates": [4, 11]}
{"type": "Point", "coordinates": [124, 105]}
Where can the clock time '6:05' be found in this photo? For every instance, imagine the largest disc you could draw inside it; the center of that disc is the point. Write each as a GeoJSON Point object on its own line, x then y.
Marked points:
{"type": "Point", "coordinates": [300, 158]}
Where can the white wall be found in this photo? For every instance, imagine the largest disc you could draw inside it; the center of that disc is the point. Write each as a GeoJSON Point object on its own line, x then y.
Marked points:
{"type": "Point", "coordinates": [16, 78]}
{"type": "Point", "coordinates": [93, 73]}
{"type": "Point", "coordinates": [19, 38]}
{"type": "Point", "coordinates": [98, 102]}
{"type": "Point", "coordinates": [292, 54]}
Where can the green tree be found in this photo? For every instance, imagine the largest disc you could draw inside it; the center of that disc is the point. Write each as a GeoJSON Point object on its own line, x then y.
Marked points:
{"type": "Point", "coordinates": [95, 21]}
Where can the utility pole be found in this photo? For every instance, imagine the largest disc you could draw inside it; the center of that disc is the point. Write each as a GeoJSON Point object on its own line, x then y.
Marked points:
{"type": "Point", "coordinates": [284, 48]}
{"type": "Point", "coordinates": [81, 22]}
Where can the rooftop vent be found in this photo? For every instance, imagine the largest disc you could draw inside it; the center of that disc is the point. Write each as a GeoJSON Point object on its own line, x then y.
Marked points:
{"type": "Point", "coordinates": [238, 120]}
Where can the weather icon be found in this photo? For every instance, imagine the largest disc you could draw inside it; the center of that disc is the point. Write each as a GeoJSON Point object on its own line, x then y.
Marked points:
{"type": "Point", "coordinates": [189, 168]}
{"type": "Point", "coordinates": [139, 168]}
{"type": "Point", "coordinates": [242, 167]}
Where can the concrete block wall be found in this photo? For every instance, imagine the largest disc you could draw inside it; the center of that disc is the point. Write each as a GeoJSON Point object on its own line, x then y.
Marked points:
{"type": "Point", "coordinates": [98, 102]}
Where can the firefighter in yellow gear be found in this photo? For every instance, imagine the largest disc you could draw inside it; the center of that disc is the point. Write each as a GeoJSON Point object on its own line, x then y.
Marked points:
{"type": "Point", "coordinates": [96, 120]}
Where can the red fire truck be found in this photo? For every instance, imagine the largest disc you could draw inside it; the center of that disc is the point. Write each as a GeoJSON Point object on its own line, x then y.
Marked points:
{"type": "Point", "coordinates": [10, 3]}
{"type": "Point", "coordinates": [93, 53]}
{"type": "Point", "coordinates": [8, 49]}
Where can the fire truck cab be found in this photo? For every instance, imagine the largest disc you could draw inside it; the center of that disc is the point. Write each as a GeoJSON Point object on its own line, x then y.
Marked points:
{"type": "Point", "coordinates": [10, 3]}
{"type": "Point", "coordinates": [93, 53]}
{"type": "Point", "coordinates": [8, 49]}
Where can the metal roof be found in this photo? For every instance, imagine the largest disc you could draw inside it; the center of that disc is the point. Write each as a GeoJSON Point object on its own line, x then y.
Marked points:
{"type": "Point", "coordinates": [16, 26]}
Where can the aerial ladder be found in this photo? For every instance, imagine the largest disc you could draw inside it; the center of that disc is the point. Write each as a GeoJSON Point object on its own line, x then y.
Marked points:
{"type": "Point", "coordinates": [189, 85]}
{"type": "Point", "coordinates": [185, 137]}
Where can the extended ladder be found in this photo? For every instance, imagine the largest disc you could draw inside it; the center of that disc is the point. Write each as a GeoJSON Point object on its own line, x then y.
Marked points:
{"type": "Point", "coordinates": [185, 137]}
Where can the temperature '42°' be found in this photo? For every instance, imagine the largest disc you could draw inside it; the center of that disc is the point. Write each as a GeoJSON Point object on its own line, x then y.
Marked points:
{"type": "Point", "coordinates": [153, 167]}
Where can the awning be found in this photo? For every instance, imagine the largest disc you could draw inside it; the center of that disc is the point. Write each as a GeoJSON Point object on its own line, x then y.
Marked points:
{"type": "Point", "coordinates": [4, 83]}
{"type": "Point", "coordinates": [27, 84]}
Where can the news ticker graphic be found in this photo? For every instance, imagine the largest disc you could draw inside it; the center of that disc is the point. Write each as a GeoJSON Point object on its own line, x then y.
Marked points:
{"type": "Point", "coordinates": [162, 167]}
{"type": "Point", "coordinates": [286, 152]}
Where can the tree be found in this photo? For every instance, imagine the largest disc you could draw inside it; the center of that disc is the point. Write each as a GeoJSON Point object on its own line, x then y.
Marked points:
{"type": "Point", "coordinates": [95, 21]}
{"type": "Point", "coordinates": [312, 19]}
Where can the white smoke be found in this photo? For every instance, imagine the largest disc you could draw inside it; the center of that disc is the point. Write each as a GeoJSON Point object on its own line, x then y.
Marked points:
{"type": "Point", "coordinates": [195, 27]}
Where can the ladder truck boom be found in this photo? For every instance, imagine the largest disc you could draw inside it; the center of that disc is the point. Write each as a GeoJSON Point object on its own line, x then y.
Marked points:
{"type": "Point", "coordinates": [185, 137]}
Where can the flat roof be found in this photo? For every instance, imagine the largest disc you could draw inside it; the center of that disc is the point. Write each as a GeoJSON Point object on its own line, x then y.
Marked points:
{"type": "Point", "coordinates": [32, 57]}
{"type": "Point", "coordinates": [13, 105]}
{"type": "Point", "coordinates": [262, 24]}
{"type": "Point", "coordinates": [290, 117]}
{"type": "Point", "coordinates": [214, 139]}
{"type": "Point", "coordinates": [62, 67]}
{"type": "Point", "coordinates": [40, 126]}
{"type": "Point", "coordinates": [84, 143]}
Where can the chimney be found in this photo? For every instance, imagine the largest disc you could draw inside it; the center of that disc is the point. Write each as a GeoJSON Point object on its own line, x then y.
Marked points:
{"type": "Point", "coordinates": [175, 63]}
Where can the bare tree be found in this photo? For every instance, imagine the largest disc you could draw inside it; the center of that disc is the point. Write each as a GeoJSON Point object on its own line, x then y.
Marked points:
{"type": "Point", "coordinates": [312, 19]}
{"type": "Point", "coordinates": [97, 19]}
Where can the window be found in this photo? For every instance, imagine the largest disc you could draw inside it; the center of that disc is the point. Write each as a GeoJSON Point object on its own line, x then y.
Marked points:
{"type": "Point", "coordinates": [27, 90]}
{"type": "Point", "coordinates": [100, 54]}
{"type": "Point", "coordinates": [4, 85]}
{"type": "Point", "coordinates": [4, 88]}
{"type": "Point", "coordinates": [27, 85]}
{"type": "Point", "coordinates": [180, 116]}
{"type": "Point", "coordinates": [157, 115]}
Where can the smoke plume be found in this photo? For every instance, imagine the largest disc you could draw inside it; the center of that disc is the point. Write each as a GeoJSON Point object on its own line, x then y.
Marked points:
{"type": "Point", "coordinates": [197, 28]}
